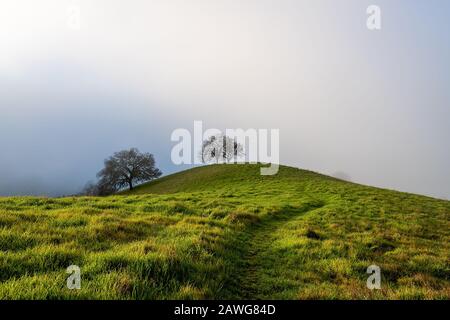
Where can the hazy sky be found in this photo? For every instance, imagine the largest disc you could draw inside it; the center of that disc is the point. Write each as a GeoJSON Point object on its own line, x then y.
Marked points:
{"type": "Point", "coordinates": [374, 105]}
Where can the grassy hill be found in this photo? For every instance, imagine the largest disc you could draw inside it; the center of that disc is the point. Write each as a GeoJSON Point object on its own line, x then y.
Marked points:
{"type": "Point", "coordinates": [225, 231]}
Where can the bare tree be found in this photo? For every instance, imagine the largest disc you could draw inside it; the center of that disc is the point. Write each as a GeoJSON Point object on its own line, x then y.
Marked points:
{"type": "Point", "coordinates": [220, 148]}
{"type": "Point", "coordinates": [125, 169]}
{"type": "Point", "coordinates": [90, 189]}
{"type": "Point", "coordinates": [98, 189]}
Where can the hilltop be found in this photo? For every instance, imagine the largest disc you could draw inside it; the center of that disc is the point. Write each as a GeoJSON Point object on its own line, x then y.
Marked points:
{"type": "Point", "coordinates": [225, 231]}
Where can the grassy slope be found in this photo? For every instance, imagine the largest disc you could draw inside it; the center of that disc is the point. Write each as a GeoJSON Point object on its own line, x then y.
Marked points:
{"type": "Point", "coordinates": [224, 231]}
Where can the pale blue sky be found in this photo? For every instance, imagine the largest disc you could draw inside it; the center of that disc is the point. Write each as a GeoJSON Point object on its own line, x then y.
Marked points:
{"type": "Point", "coordinates": [372, 104]}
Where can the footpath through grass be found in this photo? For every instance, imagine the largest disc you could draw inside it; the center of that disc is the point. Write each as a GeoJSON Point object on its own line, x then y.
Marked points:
{"type": "Point", "coordinates": [225, 231]}
{"type": "Point", "coordinates": [260, 274]}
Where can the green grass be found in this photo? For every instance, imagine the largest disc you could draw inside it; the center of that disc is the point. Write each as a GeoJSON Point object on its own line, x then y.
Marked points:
{"type": "Point", "coordinates": [225, 231]}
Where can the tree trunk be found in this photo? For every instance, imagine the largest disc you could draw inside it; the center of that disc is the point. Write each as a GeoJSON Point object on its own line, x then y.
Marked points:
{"type": "Point", "coordinates": [131, 185]}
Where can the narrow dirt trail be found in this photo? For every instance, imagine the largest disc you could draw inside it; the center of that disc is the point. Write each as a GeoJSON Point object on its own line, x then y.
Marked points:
{"type": "Point", "coordinates": [252, 274]}
{"type": "Point", "coordinates": [257, 260]}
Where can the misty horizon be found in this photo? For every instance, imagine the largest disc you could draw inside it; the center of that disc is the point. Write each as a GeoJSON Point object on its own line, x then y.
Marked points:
{"type": "Point", "coordinates": [368, 106]}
